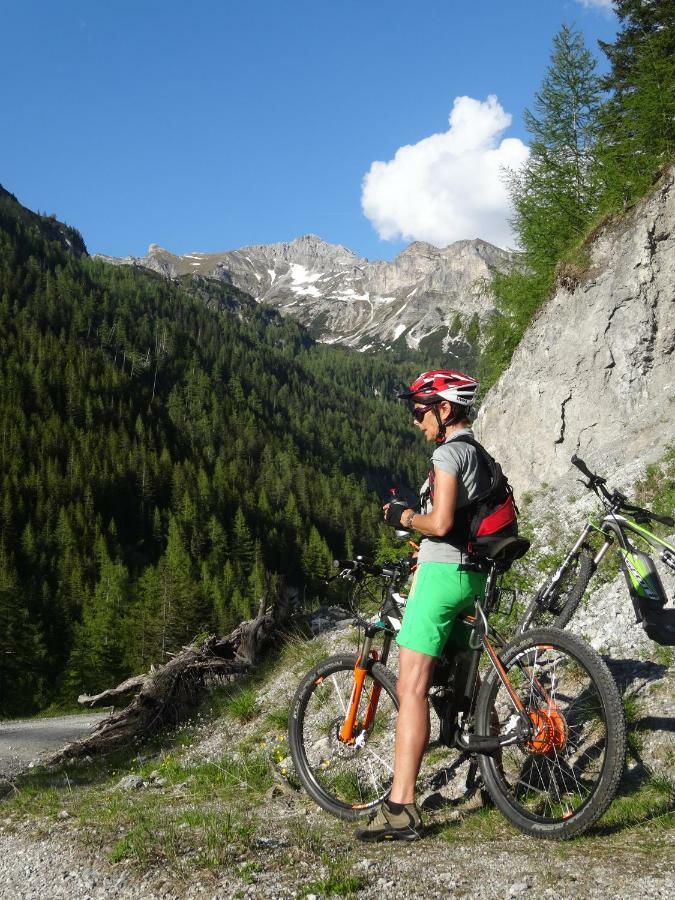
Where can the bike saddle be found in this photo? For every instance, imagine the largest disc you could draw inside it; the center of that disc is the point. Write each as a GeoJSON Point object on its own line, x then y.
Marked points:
{"type": "Point", "coordinates": [505, 552]}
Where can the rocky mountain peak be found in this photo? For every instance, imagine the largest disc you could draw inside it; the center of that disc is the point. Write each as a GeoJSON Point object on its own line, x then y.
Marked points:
{"type": "Point", "coordinates": [419, 248]}
{"type": "Point", "coordinates": [344, 298]}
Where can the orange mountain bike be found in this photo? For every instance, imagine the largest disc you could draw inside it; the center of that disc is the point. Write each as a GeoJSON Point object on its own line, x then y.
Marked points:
{"type": "Point", "coordinates": [544, 720]}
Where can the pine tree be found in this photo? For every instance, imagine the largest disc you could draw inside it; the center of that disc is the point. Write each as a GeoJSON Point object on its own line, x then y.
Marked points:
{"type": "Point", "coordinates": [21, 648]}
{"type": "Point", "coordinates": [638, 119]}
{"type": "Point", "coordinates": [242, 547]}
{"type": "Point", "coordinates": [555, 193]}
{"type": "Point", "coordinates": [316, 558]}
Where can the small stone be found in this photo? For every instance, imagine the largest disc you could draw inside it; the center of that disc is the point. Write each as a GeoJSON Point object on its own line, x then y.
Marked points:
{"type": "Point", "coordinates": [130, 783]}
{"type": "Point", "coordinates": [63, 814]}
{"type": "Point", "coordinates": [267, 842]}
{"type": "Point", "coordinates": [518, 887]}
{"type": "Point", "coordinates": [363, 865]}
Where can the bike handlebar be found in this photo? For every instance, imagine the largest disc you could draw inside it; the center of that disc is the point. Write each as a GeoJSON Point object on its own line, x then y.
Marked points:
{"type": "Point", "coordinates": [619, 501]}
{"type": "Point", "coordinates": [366, 567]}
{"type": "Point", "coordinates": [583, 468]}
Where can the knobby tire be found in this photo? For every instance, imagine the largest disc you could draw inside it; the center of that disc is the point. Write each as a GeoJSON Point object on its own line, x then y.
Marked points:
{"type": "Point", "coordinates": [555, 791]}
{"type": "Point", "coordinates": [347, 781]}
{"type": "Point", "coordinates": [564, 602]}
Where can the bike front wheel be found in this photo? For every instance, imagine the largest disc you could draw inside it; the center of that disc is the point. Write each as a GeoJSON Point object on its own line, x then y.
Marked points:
{"type": "Point", "coordinates": [347, 779]}
{"type": "Point", "coordinates": [561, 778]}
{"type": "Point", "coordinates": [561, 603]}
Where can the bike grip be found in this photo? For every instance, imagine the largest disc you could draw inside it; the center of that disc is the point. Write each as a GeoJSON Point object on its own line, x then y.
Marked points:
{"type": "Point", "coordinates": [581, 465]}
{"type": "Point", "coordinates": [343, 564]}
{"type": "Point", "coordinates": [354, 565]}
{"type": "Point", "coordinates": [664, 520]}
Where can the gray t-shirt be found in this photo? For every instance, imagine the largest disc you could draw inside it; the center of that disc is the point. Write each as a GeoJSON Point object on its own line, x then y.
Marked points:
{"type": "Point", "coordinates": [460, 459]}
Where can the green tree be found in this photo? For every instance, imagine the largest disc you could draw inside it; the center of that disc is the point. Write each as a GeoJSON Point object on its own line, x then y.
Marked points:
{"type": "Point", "coordinates": [102, 643]}
{"type": "Point", "coordinates": [554, 194]}
{"type": "Point", "coordinates": [638, 118]}
{"type": "Point", "coordinates": [21, 648]}
{"type": "Point", "coordinates": [316, 558]}
{"type": "Point", "coordinates": [242, 546]}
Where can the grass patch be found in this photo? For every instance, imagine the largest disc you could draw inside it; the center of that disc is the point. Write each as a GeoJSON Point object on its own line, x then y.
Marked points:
{"type": "Point", "coordinates": [278, 718]}
{"type": "Point", "coordinates": [339, 880]}
{"type": "Point", "coordinates": [299, 654]}
{"type": "Point", "coordinates": [653, 803]}
{"type": "Point", "coordinates": [58, 709]}
{"type": "Point", "coordinates": [241, 703]}
{"type": "Point", "coordinates": [647, 811]}
{"type": "Point", "coordinates": [665, 656]}
{"type": "Point", "coordinates": [481, 825]}
{"type": "Point", "coordinates": [186, 817]}
{"type": "Point", "coordinates": [437, 755]}
{"type": "Point", "coordinates": [632, 712]}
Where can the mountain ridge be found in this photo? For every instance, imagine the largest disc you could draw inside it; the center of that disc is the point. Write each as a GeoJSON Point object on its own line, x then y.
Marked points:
{"type": "Point", "coordinates": [425, 294]}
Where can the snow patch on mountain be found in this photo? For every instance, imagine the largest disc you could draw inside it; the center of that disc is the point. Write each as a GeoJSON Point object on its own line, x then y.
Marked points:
{"type": "Point", "coordinates": [344, 298]}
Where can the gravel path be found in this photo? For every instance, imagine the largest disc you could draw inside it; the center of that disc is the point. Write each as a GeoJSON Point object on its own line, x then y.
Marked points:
{"type": "Point", "coordinates": [50, 868]}
{"type": "Point", "coordinates": [25, 741]}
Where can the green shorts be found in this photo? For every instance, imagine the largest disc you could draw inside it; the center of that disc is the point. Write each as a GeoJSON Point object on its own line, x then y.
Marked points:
{"type": "Point", "coordinates": [441, 592]}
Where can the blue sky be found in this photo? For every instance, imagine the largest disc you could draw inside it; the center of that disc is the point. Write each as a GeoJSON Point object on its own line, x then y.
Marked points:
{"type": "Point", "coordinates": [212, 125]}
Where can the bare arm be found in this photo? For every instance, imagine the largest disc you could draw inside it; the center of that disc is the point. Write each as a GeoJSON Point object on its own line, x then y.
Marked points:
{"type": "Point", "coordinates": [440, 520]}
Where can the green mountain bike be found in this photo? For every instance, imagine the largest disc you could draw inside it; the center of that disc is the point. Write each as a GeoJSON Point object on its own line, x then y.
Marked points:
{"type": "Point", "coordinates": [623, 524]}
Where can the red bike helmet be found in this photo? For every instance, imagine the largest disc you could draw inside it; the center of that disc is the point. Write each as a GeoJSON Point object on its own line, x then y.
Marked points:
{"type": "Point", "coordinates": [442, 384]}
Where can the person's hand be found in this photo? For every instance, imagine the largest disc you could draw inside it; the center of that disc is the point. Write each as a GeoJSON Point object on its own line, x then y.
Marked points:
{"type": "Point", "coordinates": [394, 511]}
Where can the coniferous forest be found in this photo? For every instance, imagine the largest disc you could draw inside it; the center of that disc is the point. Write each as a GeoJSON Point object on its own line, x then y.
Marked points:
{"type": "Point", "coordinates": [165, 450]}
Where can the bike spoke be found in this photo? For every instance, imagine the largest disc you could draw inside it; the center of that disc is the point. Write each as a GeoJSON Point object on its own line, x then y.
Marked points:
{"type": "Point", "coordinates": [553, 776]}
{"type": "Point", "coordinates": [343, 705]}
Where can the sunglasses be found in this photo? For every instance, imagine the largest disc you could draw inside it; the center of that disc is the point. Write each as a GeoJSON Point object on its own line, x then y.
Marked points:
{"type": "Point", "coordinates": [419, 412]}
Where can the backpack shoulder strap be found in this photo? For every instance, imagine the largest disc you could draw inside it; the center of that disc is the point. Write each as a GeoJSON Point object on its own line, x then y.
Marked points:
{"type": "Point", "coordinates": [480, 449]}
{"type": "Point", "coordinates": [492, 466]}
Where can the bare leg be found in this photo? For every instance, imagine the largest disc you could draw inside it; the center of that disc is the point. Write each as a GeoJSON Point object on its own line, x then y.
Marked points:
{"type": "Point", "coordinates": [412, 726]}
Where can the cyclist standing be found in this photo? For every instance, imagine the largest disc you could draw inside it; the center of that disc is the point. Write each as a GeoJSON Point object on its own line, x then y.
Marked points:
{"type": "Point", "coordinates": [444, 586]}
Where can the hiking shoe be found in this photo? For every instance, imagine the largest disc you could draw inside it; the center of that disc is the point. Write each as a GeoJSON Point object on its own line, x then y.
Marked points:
{"type": "Point", "coordinates": [384, 825]}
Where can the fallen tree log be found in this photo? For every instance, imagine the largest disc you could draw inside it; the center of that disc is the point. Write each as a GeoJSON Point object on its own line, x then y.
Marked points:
{"type": "Point", "coordinates": [166, 694]}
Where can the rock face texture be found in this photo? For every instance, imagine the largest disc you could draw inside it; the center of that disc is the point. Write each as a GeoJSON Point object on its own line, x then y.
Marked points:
{"type": "Point", "coordinates": [425, 293]}
{"type": "Point", "coordinates": [595, 372]}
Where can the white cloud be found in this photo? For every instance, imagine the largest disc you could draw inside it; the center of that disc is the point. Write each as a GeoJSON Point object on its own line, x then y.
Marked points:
{"type": "Point", "coordinates": [601, 4]}
{"type": "Point", "coordinates": [449, 186]}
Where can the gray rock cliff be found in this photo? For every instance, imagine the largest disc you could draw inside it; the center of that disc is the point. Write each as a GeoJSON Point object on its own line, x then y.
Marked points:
{"type": "Point", "coordinates": [595, 372]}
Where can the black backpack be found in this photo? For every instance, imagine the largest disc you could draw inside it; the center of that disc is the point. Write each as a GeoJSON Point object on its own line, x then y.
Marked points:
{"type": "Point", "coordinates": [487, 519]}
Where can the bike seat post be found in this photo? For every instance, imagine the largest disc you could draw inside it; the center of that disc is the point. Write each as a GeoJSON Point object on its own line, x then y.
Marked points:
{"type": "Point", "coordinates": [491, 586]}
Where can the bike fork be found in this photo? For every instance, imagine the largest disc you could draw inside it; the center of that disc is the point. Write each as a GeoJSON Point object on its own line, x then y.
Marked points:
{"type": "Point", "coordinates": [361, 669]}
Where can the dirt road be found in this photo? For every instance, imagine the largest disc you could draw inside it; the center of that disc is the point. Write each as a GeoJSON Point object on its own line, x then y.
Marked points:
{"type": "Point", "coordinates": [26, 741]}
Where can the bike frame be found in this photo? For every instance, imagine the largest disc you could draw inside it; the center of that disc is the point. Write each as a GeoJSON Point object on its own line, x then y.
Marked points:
{"type": "Point", "coordinates": [479, 643]}
{"type": "Point", "coordinates": [613, 525]}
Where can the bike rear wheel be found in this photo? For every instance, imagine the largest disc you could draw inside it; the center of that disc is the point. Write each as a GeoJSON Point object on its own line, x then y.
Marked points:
{"type": "Point", "coordinates": [562, 779]}
{"type": "Point", "coordinates": [346, 779]}
{"type": "Point", "coordinates": [562, 602]}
